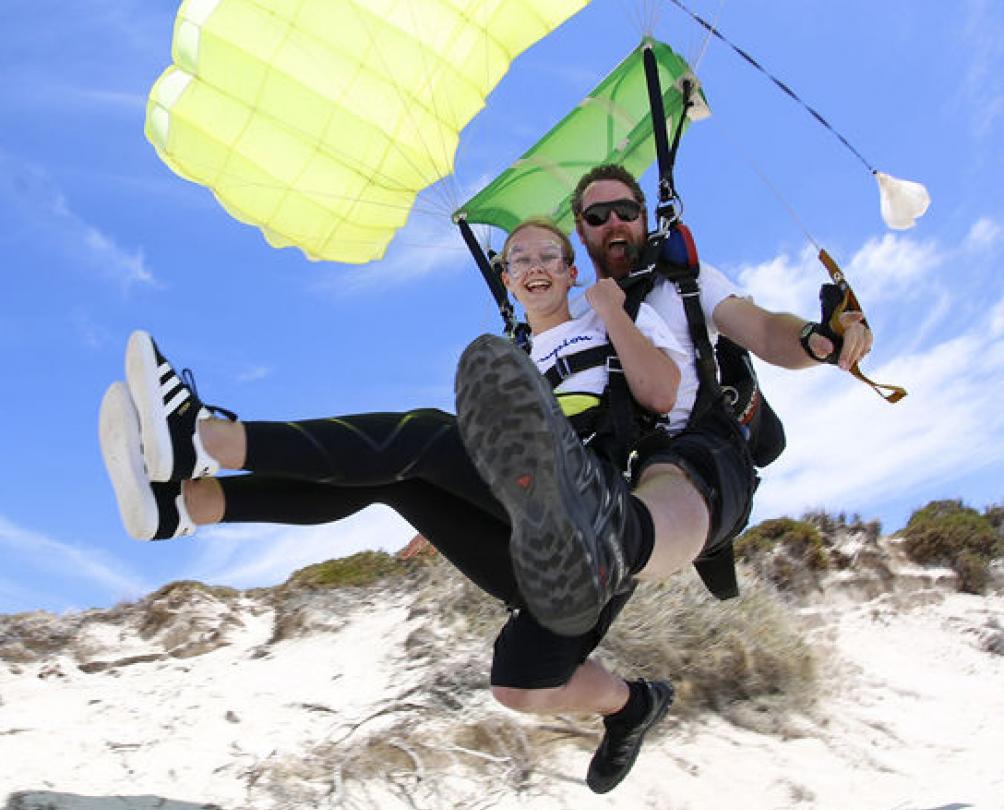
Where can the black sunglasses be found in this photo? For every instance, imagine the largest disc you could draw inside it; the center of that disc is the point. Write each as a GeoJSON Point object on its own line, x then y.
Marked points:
{"type": "Point", "coordinates": [598, 213]}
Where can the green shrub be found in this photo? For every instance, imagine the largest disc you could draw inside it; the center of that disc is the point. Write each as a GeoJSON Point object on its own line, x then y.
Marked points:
{"type": "Point", "coordinates": [829, 525]}
{"type": "Point", "coordinates": [995, 514]}
{"type": "Point", "coordinates": [358, 569]}
{"type": "Point", "coordinates": [180, 590]}
{"type": "Point", "coordinates": [950, 533]}
{"type": "Point", "coordinates": [801, 541]}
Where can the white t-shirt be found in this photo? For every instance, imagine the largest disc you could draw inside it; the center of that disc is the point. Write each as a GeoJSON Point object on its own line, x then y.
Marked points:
{"type": "Point", "coordinates": [586, 331]}
{"type": "Point", "coordinates": [666, 301]}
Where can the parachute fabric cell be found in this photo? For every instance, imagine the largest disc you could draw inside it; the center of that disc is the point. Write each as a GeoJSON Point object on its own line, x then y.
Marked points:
{"type": "Point", "coordinates": [318, 121]}
{"type": "Point", "coordinates": [613, 124]}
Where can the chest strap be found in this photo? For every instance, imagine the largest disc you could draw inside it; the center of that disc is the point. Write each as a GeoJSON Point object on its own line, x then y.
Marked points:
{"type": "Point", "coordinates": [594, 357]}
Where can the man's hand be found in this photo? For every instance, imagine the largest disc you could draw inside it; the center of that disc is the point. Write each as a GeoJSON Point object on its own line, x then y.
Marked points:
{"type": "Point", "coordinates": [857, 340]}
{"type": "Point", "coordinates": [606, 297]}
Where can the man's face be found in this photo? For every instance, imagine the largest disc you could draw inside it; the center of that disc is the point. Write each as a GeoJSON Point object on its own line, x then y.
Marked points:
{"type": "Point", "coordinates": [614, 245]}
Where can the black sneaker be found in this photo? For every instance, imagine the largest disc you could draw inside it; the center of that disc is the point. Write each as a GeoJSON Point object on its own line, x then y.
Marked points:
{"type": "Point", "coordinates": [622, 741]}
{"type": "Point", "coordinates": [169, 412]}
{"type": "Point", "coordinates": [567, 508]}
{"type": "Point", "coordinates": [149, 511]}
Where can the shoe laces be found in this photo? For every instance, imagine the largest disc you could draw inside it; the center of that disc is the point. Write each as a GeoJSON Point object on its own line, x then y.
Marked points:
{"type": "Point", "coordinates": [188, 378]}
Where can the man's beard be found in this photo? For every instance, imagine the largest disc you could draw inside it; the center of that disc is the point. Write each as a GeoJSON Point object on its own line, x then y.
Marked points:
{"type": "Point", "coordinates": [618, 267]}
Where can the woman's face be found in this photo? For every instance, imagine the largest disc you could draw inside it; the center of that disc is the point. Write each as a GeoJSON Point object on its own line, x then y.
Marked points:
{"type": "Point", "coordinates": [537, 271]}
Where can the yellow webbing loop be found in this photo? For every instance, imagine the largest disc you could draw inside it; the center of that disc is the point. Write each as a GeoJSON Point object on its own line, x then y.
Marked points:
{"type": "Point", "coordinates": [890, 393]}
{"type": "Point", "coordinates": [573, 404]}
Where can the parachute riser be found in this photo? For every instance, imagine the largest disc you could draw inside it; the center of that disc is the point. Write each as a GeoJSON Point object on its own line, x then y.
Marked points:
{"type": "Point", "coordinates": [670, 207]}
{"type": "Point", "coordinates": [515, 330]}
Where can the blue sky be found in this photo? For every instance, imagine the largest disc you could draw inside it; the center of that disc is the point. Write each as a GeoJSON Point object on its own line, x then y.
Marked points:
{"type": "Point", "coordinates": [99, 238]}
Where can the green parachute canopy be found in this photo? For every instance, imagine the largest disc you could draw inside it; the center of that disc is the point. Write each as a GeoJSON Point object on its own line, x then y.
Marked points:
{"type": "Point", "coordinates": [319, 121]}
{"type": "Point", "coordinates": [613, 124]}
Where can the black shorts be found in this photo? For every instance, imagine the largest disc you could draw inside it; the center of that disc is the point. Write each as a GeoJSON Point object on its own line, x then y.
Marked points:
{"type": "Point", "coordinates": [715, 456]}
{"type": "Point", "coordinates": [529, 656]}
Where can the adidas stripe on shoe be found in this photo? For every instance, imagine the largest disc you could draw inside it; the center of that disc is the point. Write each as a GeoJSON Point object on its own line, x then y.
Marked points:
{"type": "Point", "coordinates": [149, 511]}
{"type": "Point", "coordinates": [169, 412]}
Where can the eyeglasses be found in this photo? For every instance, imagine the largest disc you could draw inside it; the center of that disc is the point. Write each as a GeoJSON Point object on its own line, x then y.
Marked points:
{"type": "Point", "coordinates": [598, 213]}
{"type": "Point", "coordinates": [549, 259]}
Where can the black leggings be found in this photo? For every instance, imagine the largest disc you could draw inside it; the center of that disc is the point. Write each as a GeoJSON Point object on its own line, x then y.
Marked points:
{"type": "Point", "coordinates": [322, 470]}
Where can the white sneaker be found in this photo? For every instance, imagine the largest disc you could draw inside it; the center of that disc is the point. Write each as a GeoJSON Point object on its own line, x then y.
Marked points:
{"type": "Point", "coordinates": [149, 511]}
{"type": "Point", "coordinates": [169, 412]}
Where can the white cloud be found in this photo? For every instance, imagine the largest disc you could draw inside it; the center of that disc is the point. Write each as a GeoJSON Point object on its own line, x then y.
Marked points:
{"type": "Point", "coordinates": [92, 334]}
{"type": "Point", "coordinates": [848, 449]}
{"type": "Point", "coordinates": [889, 267]}
{"type": "Point", "coordinates": [982, 42]}
{"type": "Point", "coordinates": [253, 374]}
{"type": "Point", "coordinates": [29, 194]}
{"type": "Point", "coordinates": [39, 559]}
{"type": "Point", "coordinates": [983, 235]}
{"type": "Point", "coordinates": [252, 555]}
{"type": "Point", "coordinates": [783, 283]}
{"type": "Point", "coordinates": [884, 268]}
{"type": "Point", "coordinates": [997, 319]}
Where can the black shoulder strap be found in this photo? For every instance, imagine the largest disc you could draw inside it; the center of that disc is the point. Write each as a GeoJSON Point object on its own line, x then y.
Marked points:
{"type": "Point", "coordinates": [677, 261]}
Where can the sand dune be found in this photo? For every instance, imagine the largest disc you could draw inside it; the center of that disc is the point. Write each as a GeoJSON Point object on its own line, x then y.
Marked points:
{"type": "Point", "coordinates": [195, 699]}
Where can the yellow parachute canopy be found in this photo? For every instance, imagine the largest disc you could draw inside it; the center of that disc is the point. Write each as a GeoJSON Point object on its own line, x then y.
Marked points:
{"type": "Point", "coordinates": [319, 121]}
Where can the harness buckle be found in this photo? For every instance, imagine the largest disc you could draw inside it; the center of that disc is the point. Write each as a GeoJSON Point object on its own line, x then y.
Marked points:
{"type": "Point", "coordinates": [614, 365]}
{"type": "Point", "coordinates": [562, 367]}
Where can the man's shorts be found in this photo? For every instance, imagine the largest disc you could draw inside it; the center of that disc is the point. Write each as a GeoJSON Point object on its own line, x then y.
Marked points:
{"type": "Point", "coordinates": [715, 456]}
{"type": "Point", "coordinates": [529, 656]}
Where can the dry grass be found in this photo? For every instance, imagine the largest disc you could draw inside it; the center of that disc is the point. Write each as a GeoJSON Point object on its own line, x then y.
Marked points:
{"type": "Point", "coordinates": [716, 653]}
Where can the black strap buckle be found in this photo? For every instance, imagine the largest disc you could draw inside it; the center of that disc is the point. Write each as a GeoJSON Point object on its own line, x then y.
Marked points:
{"type": "Point", "coordinates": [614, 365]}
{"type": "Point", "coordinates": [562, 367]}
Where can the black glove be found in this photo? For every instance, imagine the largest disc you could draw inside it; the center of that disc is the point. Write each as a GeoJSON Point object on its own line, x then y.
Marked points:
{"type": "Point", "coordinates": [830, 298]}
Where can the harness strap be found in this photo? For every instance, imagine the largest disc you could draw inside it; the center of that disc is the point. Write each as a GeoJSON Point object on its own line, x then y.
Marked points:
{"type": "Point", "coordinates": [677, 261]}
{"type": "Point", "coordinates": [622, 411]}
{"type": "Point", "coordinates": [569, 364]}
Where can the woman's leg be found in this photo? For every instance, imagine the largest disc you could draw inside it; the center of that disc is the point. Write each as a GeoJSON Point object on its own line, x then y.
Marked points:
{"type": "Point", "coordinates": [475, 542]}
{"type": "Point", "coordinates": [368, 449]}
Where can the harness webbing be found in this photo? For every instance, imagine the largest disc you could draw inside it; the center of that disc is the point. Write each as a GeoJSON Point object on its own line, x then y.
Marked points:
{"type": "Point", "coordinates": [623, 414]}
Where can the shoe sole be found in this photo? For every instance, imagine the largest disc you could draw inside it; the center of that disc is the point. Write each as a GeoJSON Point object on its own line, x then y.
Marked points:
{"type": "Point", "coordinates": [143, 376]}
{"type": "Point", "coordinates": [118, 431]}
{"type": "Point", "coordinates": [512, 427]}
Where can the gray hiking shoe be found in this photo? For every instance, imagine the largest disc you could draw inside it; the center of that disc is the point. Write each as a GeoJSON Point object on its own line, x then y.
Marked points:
{"type": "Point", "coordinates": [622, 741]}
{"type": "Point", "coordinates": [566, 506]}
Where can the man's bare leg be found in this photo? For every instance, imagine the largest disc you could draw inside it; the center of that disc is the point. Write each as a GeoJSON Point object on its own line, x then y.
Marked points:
{"type": "Point", "coordinates": [680, 517]}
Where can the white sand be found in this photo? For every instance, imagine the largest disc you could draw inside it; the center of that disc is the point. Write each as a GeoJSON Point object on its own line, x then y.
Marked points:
{"type": "Point", "coordinates": [913, 720]}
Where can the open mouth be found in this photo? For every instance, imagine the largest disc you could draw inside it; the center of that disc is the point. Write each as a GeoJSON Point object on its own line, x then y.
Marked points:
{"type": "Point", "coordinates": [618, 247]}
{"type": "Point", "coordinates": [537, 285]}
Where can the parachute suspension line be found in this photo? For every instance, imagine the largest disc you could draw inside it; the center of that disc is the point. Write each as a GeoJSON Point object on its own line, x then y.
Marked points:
{"type": "Point", "coordinates": [696, 63]}
{"type": "Point", "coordinates": [632, 10]}
{"type": "Point", "coordinates": [518, 332]}
{"type": "Point", "coordinates": [713, 31]}
{"type": "Point", "coordinates": [755, 167]}
{"type": "Point", "coordinates": [375, 48]}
